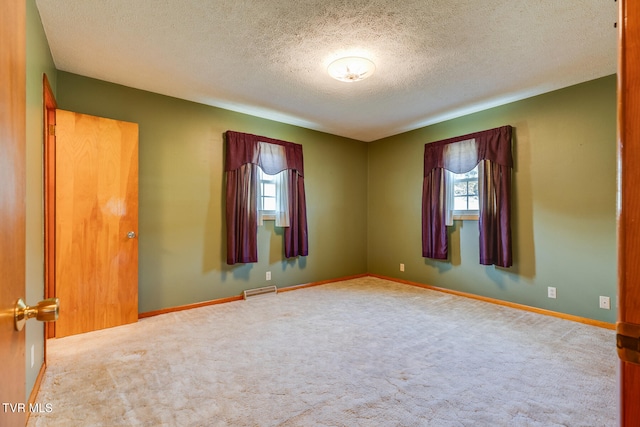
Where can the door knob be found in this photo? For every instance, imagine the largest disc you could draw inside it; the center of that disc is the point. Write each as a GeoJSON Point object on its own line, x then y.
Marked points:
{"type": "Point", "coordinates": [44, 311]}
{"type": "Point", "coordinates": [131, 234]}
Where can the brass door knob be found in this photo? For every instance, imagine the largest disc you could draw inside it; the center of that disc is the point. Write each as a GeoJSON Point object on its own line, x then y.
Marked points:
{"type": "Point", "coordinates": [44, 311]}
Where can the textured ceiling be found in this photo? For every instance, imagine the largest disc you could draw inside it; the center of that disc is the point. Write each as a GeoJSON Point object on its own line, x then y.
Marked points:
{"type": "Point", "coordinates": [435, 59]}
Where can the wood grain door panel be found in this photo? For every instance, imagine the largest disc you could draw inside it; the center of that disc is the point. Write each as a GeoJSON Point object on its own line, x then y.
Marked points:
{"type": "Point", "coordinates": [96, 204]}
{"type": "Point", "coordinates": [12, 208]}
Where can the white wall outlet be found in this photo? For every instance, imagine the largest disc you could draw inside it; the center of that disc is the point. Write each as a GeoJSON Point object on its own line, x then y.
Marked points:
{"type": "Point", "coordinates": [551, 292]}
{"type": "Point", "coordinates": [605, 303]}
{"type": "Point", "coordinates": [268, 275]}
{"type": "Point", "coordinates": [401, 267]}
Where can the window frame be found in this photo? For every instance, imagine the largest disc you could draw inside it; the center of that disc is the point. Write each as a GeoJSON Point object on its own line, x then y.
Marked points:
{"type": "Point", "coordinates": [466, 214]}
{"type": "Point", "coordinates": [267, 215]}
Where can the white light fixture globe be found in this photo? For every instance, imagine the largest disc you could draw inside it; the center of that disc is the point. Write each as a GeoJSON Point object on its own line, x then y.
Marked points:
{"type": "Point", "coordinates": [351, 69]}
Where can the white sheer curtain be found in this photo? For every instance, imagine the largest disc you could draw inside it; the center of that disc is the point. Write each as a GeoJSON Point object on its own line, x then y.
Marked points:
{"type": "Point", "coordinates": [273, 159]}
{"type": "Point", "coordinates": [457, 158]}
{"type": "Point", "coordinates": [448, 197]}
{"type": "Point", "coordinates": [282, 198]}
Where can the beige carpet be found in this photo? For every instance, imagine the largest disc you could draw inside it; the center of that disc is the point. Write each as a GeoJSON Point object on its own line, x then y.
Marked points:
{"type": "Point", "coordinates": [364, 352]}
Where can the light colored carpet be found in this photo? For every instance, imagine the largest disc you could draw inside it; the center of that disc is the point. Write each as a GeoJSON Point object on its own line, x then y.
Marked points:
{"type": "Point", "coordinates": [363, 352]}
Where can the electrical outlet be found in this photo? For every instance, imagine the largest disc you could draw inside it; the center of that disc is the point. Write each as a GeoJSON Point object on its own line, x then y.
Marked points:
{"type": "Point", "coordinates": [605, 303]}
{"type": "Point", "coordinates": [401, 267]}
{"type": "Point", "coordinates": [268, 275]}
{"type": "Point", "coordinates": [551, 292]}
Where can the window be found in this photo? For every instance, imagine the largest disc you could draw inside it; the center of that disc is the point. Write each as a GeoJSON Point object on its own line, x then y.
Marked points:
{"type": "Point", "coordinates": [273, 199]}
{"type": "Point", "coordinates": [466, 201]}
{"type": "Point", "coordinates": [491, 149]}
{"type": "Point", "coordinates": [267, 195]}
{"type": "Point", "coordinates": [245, 155]}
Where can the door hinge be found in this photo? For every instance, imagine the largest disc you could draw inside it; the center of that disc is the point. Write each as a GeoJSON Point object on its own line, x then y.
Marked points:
{"type": "Point", "coordinates": [52, 130]}
{"type": "Point", "coordinates": [628, 342]}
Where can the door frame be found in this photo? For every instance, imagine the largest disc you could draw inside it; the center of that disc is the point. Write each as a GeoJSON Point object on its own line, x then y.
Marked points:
{"type": "Point", "coordinates": [629, 204]}
{"type": "Point", "coordinates": [49, 106]}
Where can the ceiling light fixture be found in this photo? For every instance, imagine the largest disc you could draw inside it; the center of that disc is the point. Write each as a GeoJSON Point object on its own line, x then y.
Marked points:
{"type": "Point", "coordinates": [351, 69]}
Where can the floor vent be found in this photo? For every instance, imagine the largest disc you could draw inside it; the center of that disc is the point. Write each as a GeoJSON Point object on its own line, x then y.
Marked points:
{"type": "Point", "coordinates": [267, 290]}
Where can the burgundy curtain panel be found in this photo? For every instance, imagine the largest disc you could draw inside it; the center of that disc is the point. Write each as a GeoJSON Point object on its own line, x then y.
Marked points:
{"type": "Point", "coordinates": [434, 230]}
{"type": "Point", "coordinates": [242, 211]}
{"type": "Point", "coordinates": [492, 150]}
{"type": "Point", "coordinates": [242, 160]}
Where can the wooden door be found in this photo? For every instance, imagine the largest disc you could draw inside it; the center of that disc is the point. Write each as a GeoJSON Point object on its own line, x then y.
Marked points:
{"type": "Point", "coordinates": [12, 209]}
{"type": "Point", "coordinates": [96, 205]}
{"type": "Point", "coordinates": [629, 208]}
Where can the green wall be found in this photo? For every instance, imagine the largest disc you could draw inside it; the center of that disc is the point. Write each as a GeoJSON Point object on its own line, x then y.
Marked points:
{"type": "Point", "coordinates": [564, 204]}
{"type": "Point", "coordinates": [364, 200]}
{"type": "Point", "coordinates": [182, 253]}
{"type": "Point", "coordinates": [39, 61]}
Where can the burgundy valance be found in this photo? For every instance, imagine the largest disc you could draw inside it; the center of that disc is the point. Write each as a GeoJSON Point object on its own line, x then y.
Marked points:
{"type": "Point", "coordinates": [243, 148]}
{"type": "Point", "coordinates": [493, 145]}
